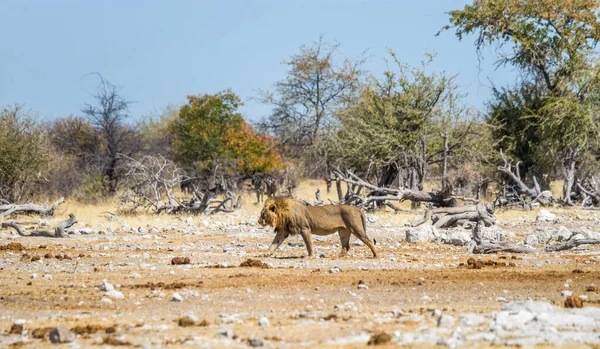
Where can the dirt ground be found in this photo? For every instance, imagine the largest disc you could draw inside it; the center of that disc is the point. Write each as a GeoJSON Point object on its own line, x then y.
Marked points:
{"type": "Point", "coordinates": [314, 303]}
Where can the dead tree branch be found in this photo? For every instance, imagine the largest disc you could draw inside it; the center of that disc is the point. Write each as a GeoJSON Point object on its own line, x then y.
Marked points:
{"type": "Point", "coordinates": [535, 193]}
{"type": "Point", "coordinates": [474, 213]}
{"type": "Point", "coordinates": [42, 210]}
{"type": "Point", "coordinates": [59, 231]}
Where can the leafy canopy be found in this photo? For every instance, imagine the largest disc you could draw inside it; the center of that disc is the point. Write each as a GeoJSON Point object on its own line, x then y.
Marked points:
{"type": "Point", "coordinates": [209, 132]}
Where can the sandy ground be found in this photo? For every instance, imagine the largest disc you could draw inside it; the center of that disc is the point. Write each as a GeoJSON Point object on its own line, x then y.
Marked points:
{"type": "Point", "coordinates": [305, 303]}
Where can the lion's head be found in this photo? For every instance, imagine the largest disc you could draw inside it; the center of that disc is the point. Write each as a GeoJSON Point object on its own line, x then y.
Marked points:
{"type": "Point", "coordinates": [273, 212]}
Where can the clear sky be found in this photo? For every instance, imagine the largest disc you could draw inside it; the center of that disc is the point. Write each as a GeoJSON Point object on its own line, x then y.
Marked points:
{"type": "Point", "coordinates": [161, 51]}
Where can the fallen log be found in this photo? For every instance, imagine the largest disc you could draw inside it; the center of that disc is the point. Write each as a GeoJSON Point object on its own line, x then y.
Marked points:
{"type": "Point", "coordinates": [59, 231]}
{"type": "Point", "coordinates": [473, 213]}
{"type": "Point", "coordinates": [42, 210]}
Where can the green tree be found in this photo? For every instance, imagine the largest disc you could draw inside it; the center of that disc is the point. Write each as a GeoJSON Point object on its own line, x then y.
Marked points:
{"type": "Point", "coordinates": [553, 43]}
{"type": "Point", "coordinates": [402, 125]}
{"type": "Point", "coordinates": [24, 154]}
{"type": "Point", "coordinates": [211, 136]}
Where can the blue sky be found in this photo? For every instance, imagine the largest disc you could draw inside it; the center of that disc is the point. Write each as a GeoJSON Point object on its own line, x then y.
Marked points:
{"type": "Point", "coordinates": [160, 51]}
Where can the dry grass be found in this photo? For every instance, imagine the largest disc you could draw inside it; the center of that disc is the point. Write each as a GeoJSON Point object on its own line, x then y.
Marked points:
{"type": "Point", "coordinates": [95, 214]}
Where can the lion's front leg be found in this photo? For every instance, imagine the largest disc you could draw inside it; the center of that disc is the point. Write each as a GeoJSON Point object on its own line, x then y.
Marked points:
{"type": "Point", "coordinates": [279, 239]}
{"type": "Point", "coordinates": [306, 236]}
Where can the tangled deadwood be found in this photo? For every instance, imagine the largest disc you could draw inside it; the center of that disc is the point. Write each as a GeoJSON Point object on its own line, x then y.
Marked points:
{"type": "Point", "coordinates": [149, 184]}
{"type": "Point", "coordinates": [459, 215]}
{"type": "Point", "coordinates": [59, 231]}
{"type": "Point", "coordinates": [481, 246]}
{"type": "Point", "coordinates": [369, 197]}
{"type": "Point", "coordinates": [512, 193]}
{"type": "Point", "coordinates": [590, 190]}
{"type": "Point", "coordinates": [42, 210]}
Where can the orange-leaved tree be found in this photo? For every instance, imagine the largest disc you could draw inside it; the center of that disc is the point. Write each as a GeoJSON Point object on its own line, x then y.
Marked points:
{"type": "Point", "coordinates": [210, 134]}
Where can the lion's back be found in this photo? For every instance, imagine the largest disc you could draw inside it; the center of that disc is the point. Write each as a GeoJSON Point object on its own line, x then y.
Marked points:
{"type": "Point", "coordinates": [332, 217]}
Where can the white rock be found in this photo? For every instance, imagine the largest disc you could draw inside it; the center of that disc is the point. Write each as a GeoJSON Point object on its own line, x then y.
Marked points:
{"type": "Point", "coordinates": [566, 293]}
{"type": "Point", "coordinates": [114, 294]}
{"type": "Point", "coordinates": [531, 240]}
{"type": "Point", "coordinates": [457, 237]}
{"type": "Point", "coordinates": [176, 297]}
{"type": "Point", "coordinates": [493, 233]}
{"type": "Point", "coordinates": [371, 218]}
{"type": "Point", "coordinates": [335, 270]}
{"type": "Point", "coordinates": [363, 287]}
{"type": "Point", "coordinates": [134, 276]}
{"type": "Point", "coordinates": [106, 300]}
{"type": "Point", "coordinates": [106, 286]}
{"type": "Point", "coordinates": [422, 233]}
{"type": "Point", "coordinates": [61, 334]}
{"type": "Point", "coordinates": [531, 306]}
{"type": "Point", "coordinates": [264, 322]}
{"type": "Point", "coordinates": [47, 276]}
{"type": "Point", "coordinates": [471, 319]}
{"type": "Point", "coordinates": [446, 321]}
{"type": "Point", "coordinates": [501, 299]}
{"type": "Point", "coordinates": [545, 216]}
{"type": "Point", "coordinates": [512, 320]}
{"type": "Point", "coordinates": [563, 234]}
{"type": "Point", "coordinates": [33, 276]}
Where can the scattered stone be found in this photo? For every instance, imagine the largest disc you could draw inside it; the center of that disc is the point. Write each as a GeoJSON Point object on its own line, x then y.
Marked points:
{"type": "Point", "coordinates": [501, 299]}
{"type": "Point", "coordinates": [362, 285]}
{"type": "Point", "coordinates": [471, 320]}
{"type": "Point", "coordinates": [106, 286]}
{"type": "Point", "coordinates": [573, 302]}
{"type": "Point", "coordinates": [457, 238]}
{"type": "Point", "coordinates": [134, 276]}
{"type": "Point", "coordinates": [250, 262]}
{"type": "Point", "coordinates": [114, 294]}
{"type": "Point", "coordinates": [61, 334]}
{"type": "Point", "coordinates": [255, 342]}
{"type": "Point", "coordinates": [422, 233]}
{"type": "Point", "coordinates": [379, 339]}
{"type": "Point", "coordinates": [264, 322]}
{"type": "Point", "coordinates": [531, 240]}
{"type": "Point", "coordinates": [446, 321]}
{"type": "Point", "coordinates": [591, 288]}
{"type": "Point", "coordinates": [545, 216]}
{"type": "Point", "coordinates": [106, 300]}
{"type": "Point", "coordinates": [225, 332]}
{"type": "Point", "coordinates": [493, 233]}
{"type": "Point", "coordinates": [180, 260]}
{"type": "Point", "coordinates": [335, 270]}
{"type": "Point", "coordinates": [33, 276]}
{"type": "Point", "coordinates": [562, 234]}
{"type": "Point", "coordinates": [176, 297]}
{"type": "Point", "coordinates": [566, 293]}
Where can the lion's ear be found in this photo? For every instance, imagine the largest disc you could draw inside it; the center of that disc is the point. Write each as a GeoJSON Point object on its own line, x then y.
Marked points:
{"type": "Point", "coordinates": [272, 208]}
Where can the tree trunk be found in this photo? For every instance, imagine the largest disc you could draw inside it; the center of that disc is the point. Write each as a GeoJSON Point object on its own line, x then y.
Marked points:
{"type": "Point", "coordinates": [569, 173]}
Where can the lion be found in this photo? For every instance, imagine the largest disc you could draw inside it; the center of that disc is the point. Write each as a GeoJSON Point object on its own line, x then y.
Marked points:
{"type": "Point", "coordinates": [291, 217]}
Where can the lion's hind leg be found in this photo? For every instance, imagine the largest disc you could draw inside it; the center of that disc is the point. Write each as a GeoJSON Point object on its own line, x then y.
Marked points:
{"type": "Point", "coordinates": [362, 236]}
{"type": "Point", "coordinates": [345, 241]}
